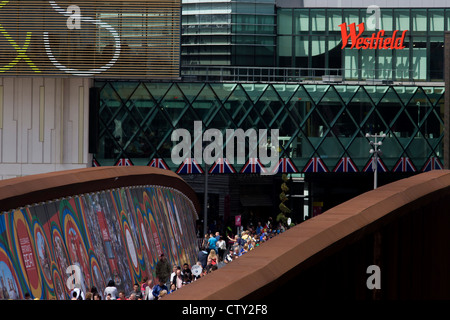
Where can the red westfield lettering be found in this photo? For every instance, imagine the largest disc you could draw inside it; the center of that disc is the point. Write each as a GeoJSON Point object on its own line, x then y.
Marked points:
{"type": "Point", "coordinates": [376, 41]}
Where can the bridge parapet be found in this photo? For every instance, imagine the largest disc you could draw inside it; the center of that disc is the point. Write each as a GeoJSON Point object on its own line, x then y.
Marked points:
{"type": "Point", "coordinates": [402, 228]}
{"type": "Point", "coordinates": [110, 223]}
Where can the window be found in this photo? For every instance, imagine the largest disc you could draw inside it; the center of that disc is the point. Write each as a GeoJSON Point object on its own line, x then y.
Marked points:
{"type": "Point", "coordinates": [419, 58]}
{"type": "Point", "coordinates": [285, 22]}
{"type": "Point", "coordinates": [334, 20]}
{"type": "Point", "coordinates": [384, 68]}
{"type": "Point", "coordinates": [318, 21]}
{"type": "Point", "coordinates": [401, 19]}
{"type": "Point", "coordinates": [301, 20]}
{"type": "Point", "coordinates": [386, 20]}
{"type": "Point", "coordinates": [436, 18]}
{"type": "Point", "coordinates": [419, 20]}
{"type": "Point", "coordinates": [351, 16]}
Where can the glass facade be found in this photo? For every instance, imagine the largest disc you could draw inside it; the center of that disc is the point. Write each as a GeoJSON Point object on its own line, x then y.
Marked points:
{"type": "Point", "coordinates": [311, 38]}
{"type": "Point", "coordinates": [314, 120]}
{"type": "Point", "coordinates": [317, 120]}
{"type": "Point", "coordinates": [238, 33]}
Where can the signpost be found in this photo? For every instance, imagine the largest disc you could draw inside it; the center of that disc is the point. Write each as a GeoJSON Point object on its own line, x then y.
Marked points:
{"type": "Point", "coordinates": [376, 153]}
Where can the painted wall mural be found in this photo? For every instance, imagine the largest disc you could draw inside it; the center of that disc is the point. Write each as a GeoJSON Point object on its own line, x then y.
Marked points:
{"type": "Point", "coordinates": [116, 234]}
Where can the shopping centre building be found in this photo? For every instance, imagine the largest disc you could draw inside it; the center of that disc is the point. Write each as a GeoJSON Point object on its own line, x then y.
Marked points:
{"type": "Point", "coordinates": [107, 83]}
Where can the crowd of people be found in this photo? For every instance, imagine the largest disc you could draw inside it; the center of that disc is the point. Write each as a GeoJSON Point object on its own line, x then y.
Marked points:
{"type": "Point", "coordinates": [215, 251]}
{"type": "Point", "coordinates": [235, 246]}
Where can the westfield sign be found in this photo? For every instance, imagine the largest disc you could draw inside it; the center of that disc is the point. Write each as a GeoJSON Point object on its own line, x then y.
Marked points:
{"type": "Point", "coordinates": [376, 41]}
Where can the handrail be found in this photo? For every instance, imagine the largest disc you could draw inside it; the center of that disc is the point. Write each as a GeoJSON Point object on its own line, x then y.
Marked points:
{"type": "Point", "coordinates": [294, 75]}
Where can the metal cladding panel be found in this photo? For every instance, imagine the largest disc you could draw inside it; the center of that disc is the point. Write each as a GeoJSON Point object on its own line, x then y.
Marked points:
{"type": "Point", "coordinates": [114, 39]}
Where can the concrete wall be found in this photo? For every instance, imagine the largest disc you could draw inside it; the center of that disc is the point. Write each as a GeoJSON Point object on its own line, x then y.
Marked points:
{"type": "Point", "coordinates": [43, 125]}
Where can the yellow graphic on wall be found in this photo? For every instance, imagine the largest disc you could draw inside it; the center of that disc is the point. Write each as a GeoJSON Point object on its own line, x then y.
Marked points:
{"type": "Point", "coordinates": [21, 52]}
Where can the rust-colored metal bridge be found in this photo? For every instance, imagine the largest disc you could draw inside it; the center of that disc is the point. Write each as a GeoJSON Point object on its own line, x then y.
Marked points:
{"type": "Point", "coordinates": [398, 234]}
{"type": "Point", "coordinates": [402, 228]}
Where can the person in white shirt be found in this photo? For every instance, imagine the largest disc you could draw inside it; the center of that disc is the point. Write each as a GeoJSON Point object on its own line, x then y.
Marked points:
{"type": "Point", "coordinates": [222, 247]}
{"type": "Point", "coordinates": [148, 291]}
{"type": "Point", "coordinates": [111, 289]}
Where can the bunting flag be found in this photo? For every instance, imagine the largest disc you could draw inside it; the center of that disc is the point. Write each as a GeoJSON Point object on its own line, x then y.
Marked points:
{"type": "Point", "coordinates": [380, 166]}
{"type": "Point", "coordinates": [124, 162]}
{"type": "Point", "coordinates": [346, 165]}
{"type": "Point", "coordinates": [95, 163]}
{"type": "Point", "coordinates": [189, 166]}
{"type": "Point", "coordinates": [158, 163]}
{"type": "Point", "coordinates": [315, 165]}
{"type": "Point", "coordinates": [432, 164]}
{"type": "Point", "coordinates": [222, 165]}
{"type": "Point", "coordinates": [285, 165]}
{"type": "Point", "coordinates": [253, 165]}
{"type": "Point", "coordinates": [404, 164]}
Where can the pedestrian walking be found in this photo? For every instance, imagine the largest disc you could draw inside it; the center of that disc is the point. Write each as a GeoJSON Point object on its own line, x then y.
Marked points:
{"type": "Point", "coordinates": [221, 247]}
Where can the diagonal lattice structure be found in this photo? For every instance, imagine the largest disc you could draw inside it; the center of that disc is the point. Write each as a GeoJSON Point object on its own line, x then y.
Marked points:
{"type": "Point", "coordinates": [323, 121]}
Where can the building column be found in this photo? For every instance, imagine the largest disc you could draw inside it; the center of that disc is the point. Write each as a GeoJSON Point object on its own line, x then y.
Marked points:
{"type": "Point", "coordinates": [447, 100]}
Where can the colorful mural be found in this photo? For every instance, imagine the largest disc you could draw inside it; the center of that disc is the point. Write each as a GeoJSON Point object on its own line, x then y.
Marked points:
{"type": "Point", "coordinates": [116, 234]}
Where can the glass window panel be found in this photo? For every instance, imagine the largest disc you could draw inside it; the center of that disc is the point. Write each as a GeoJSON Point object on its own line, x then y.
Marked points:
{"type": "Point", "coordinates": [265, 40]}
{"type": "Point", "coordinates": [419, 60]}
{"type": "Point", "coordinates": [265, 30]}
{"type": "Point", "coordinates": [447, 17]}
{"type": "Point", "coordinates": [334, 43]}
{"type": "Point", "coordinates": [301, 46]}
{"type": "Point", "coordinates": [351, 63]}
{"type": "Point", "coordinates": [285, 22]}
{"type": "Point", "coordinates": [318, 46]}
{"type": "Point", "coordinates": [220, 18]}
{"type": "Point", "coordinates": [285, 46]}
{"type": "Point", "coordinates": [193, 19]}
{"type": "Point", "coordinates": [351, 16]}
{"type": "Point", "coordinates": [268, 19]}
{"type": "Point", "coordinates": [244, 18]}
{"type": "Point", "coordinates": [419, 63]}
{"type": "Point", "coordinates": [334, 20]}
{"type": "Point", "coordinates": [436, 20]}
{"type": "Point", "coordinates": [205, 18]}
{"type": "Point", "coordinates": [318, 21]}
{"type": "Point", "coordinates": [301, 20]}
{"type": "Point", "coordinates": [318, 50]}
{"type": "Point", "coordinates": [402, 64]}
{"type": "Point", "coordinates": [248, 39]}
{"type": "Point", "coordinates": [401, 19]}
{"type": "Point", "coordinates": [384, 70]}
{"type": "Point", "coordinates": [386, 20]}
{"type": "Point", "coordinates": [243, 8]}
{"type": "Point", "coordinates": [419, 20]}
{"type": "Point", "coordinates": [368, 64]}
{"type": "Point", "coordinates": [265, 9]}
